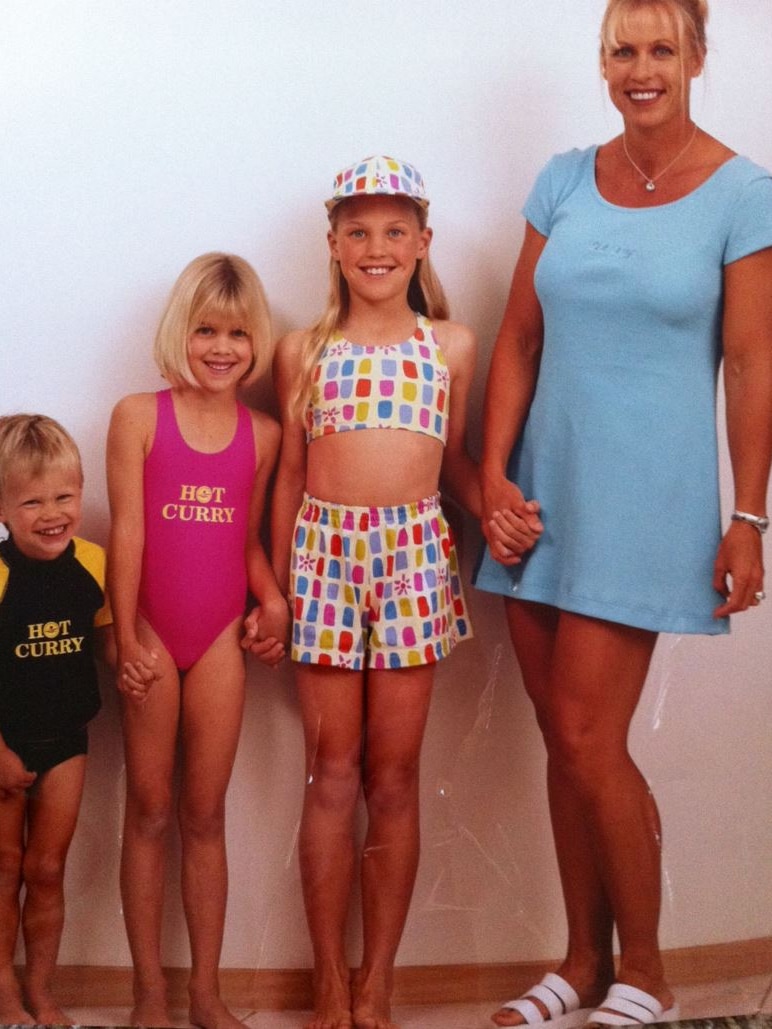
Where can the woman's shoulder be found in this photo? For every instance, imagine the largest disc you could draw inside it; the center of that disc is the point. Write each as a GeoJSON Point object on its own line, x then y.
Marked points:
{"type": "Point", "coordinates": [742, 171]}
{"type": "Point", "coordinates": [557, 180]}
{"type": "Point", "coordinates": [568, 165]}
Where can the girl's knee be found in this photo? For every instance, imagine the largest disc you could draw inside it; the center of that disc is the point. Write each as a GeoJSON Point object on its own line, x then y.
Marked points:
{"type": "Point", "coordinates": [392, 789]}
{"type": "Point", "coordinates": [149, 814]}
{"type": "Point", "coordinates": [334, 783]}
{"type": "Point", "coordinates": [11, 858]}
{"type": "Point", "coordinates": [202, 821]}
{"type": "Point", "coordinates": [43, 870]}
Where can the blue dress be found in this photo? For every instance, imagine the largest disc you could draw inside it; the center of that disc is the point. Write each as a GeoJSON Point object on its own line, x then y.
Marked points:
{"type": "Point", "coordinates": [620, 443]}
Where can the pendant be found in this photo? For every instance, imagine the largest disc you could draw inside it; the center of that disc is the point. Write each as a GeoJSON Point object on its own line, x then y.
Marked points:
{"type": "Point", "coordinates": [650, 186]}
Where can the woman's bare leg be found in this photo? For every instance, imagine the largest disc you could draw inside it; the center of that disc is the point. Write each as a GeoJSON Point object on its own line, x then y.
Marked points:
{"type": "Point", "coordinates": [599, 669]}
{"type": "Point", "coordinates": [585, 677]}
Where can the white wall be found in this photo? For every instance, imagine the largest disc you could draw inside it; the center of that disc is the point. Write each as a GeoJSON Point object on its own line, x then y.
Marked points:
{"type": "Point", "coordinates": [136, 135]}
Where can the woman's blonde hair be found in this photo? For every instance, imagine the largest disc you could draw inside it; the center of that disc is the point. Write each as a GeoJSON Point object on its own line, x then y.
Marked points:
{"type": "Point", "coordinates": [691, 18]}
{"type": "Point", "coordinates": [31, 444]}
{"type": "Point", "coordinates": [424, 295]}
{"type": "Point", "coordinates": [213, 284]}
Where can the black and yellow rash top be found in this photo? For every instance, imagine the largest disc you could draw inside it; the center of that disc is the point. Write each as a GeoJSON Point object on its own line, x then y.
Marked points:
{"type": "Point", "coordinates": [48, 613]}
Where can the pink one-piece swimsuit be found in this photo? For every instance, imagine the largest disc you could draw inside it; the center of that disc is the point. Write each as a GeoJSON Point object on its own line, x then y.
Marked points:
{"type": "Point", "coordinates": [194, 574]}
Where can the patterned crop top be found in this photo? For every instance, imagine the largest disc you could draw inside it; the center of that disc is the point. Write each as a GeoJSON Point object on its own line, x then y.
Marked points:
{"type": "Point", "coordinates": [399, 386]}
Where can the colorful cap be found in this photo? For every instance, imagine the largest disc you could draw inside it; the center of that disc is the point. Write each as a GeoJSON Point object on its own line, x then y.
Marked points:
{"type": "Point", "coordinates": [378, 176]}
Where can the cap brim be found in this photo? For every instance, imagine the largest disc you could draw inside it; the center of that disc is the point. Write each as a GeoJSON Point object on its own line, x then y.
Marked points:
{"type": "Point", "coordinates": [334, 201]}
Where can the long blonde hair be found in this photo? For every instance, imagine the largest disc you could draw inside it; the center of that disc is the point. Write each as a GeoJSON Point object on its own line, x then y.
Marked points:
{"type": "Point", "coordinates": [424, 295]}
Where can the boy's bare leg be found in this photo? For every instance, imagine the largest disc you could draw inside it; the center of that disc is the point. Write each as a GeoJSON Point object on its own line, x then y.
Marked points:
{"type": "Point", "coordinates": [12, 817]}
{"type": "Point", "coordinates": [52, 815]}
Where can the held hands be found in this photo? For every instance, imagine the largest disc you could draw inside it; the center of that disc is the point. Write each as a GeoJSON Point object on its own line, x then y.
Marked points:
{"type": "Point", "coordinates": [14, 777]}
{"type": "Point", "coordinates": [137, 671]}
{"type": "Point", "coordinates": [511, 524]}
{"type": "Point", "coordinates": [266, 631]}
{"type": "Point", "coordinates": [739, 570]}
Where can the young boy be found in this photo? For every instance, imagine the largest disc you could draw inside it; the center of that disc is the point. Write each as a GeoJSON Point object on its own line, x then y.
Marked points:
{"type": "Point", "coordinates": [52, 599]}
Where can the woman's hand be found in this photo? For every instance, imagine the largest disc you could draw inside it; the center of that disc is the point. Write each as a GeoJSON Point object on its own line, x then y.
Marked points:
{"type": "Point", "coordinates": [739, 569]}
{"type": "Point", "coordinates": [511, 524]}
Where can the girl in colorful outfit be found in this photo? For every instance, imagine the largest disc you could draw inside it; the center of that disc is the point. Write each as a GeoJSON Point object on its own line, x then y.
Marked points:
{"type": "Point", "coordinates": [373, 401]}
{"type": "Point", "coordinates": [645, 261]}
{"type": "Point", "coordinates": [187, 472]}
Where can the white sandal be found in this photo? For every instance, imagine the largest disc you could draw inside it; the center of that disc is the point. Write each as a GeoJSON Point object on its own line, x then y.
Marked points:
{"type": "Point", "coordinates": [631, 1006]}
{"type": "Point", "coordinates": [559, 998]}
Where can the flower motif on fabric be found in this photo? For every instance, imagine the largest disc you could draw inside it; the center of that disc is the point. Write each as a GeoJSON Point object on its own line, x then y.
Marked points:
{"type": "Point", "coordinates": [402, 585]}
{"type": "Point", "coordinates": [345, 662]}
{"type": "Point", "coordinates": [306, 562]}
{"type": "Point", "coordinates": [337, 349]}
{"type": "Point", "coordinates": [443, 377]}
{"type": "Point", "coordinates": [331, 415]}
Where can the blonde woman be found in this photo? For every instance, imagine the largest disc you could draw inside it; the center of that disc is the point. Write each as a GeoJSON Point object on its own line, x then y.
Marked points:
{"type": "Point", "coordinates": [645, 261]}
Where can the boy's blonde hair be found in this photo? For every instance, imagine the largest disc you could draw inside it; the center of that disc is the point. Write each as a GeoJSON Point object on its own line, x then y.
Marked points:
{"type": "Point", "coordinates": [212, 284]}
{"type": "Point", "coordinates": [424, 295]}
{"type": "Point", "coordinates": [30, 444]}
{"type": "Point", "coordinates": [690, 16]}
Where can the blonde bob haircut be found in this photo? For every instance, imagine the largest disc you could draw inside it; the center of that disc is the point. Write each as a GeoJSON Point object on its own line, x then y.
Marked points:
{"type": "Point", "coordinates": [425, 295]}
{"type": "Point", "coordinates": [212, 285]}
{"type": "Point", "coordinates": [32, 444]}
{"type": "Point", "coordinates": [690, 17]}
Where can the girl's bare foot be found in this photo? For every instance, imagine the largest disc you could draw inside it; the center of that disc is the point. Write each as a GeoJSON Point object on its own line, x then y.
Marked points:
{"type": "Point", "coordinates": [209, 1012]}
{"type": "Point", "coordinates": [372, 1003]}
{"type": "Point", "coordinates": [151, 1010]}
{"type": "Point", "coordinates": [49, 1013]}
{"type": "Point", "coordinates": [12, 1010]}
{"type": "Point", "coordinates": [332, 1001]}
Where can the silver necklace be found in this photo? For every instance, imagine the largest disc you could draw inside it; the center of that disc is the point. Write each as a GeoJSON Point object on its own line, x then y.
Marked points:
{"type": "Point", "coordinates": [651, 180]}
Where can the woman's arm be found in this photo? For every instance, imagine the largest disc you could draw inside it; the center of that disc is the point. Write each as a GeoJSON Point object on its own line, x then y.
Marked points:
{"type": "Point", "coordinates": [291, 475]}
{"type": "Point", "coordinates": [747, 336]}
{"type": "Point", "coordinates": [128, 440]}
{"type": "Point", "coordinates": [512, 375]}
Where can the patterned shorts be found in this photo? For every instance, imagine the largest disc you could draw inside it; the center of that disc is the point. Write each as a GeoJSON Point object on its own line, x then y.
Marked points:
{"type": "Point", "coordinates": [375, 586]}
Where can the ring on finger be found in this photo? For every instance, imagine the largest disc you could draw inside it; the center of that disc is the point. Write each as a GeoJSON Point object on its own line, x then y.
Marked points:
{"type": "Point", "coordinates": [759, 596]}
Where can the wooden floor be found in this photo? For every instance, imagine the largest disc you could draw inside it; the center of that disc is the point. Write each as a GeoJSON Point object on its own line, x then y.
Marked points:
{"type": "Point", "coordinates": [744, 1003]}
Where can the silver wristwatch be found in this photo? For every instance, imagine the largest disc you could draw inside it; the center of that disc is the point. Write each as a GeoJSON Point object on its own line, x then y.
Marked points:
{"type": "Point", "coordinates": [761, 522]}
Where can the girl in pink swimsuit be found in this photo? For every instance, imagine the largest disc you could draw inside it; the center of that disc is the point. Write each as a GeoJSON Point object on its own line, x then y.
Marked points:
{"type": "Point", "coordinates": [187, 471]}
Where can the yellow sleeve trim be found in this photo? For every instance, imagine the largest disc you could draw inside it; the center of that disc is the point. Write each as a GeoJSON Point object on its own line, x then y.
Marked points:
{"type": "Point", "coordinates": [94, 560]}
